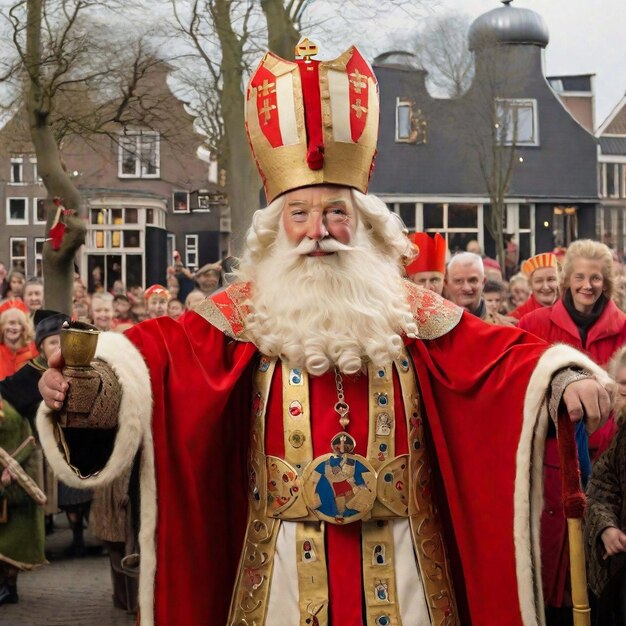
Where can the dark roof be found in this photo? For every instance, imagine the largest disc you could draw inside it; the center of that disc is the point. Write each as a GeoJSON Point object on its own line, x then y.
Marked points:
{"type": "Point", "coordinates": [613, 145]}
{"type": "Point", "coordinates": [508, 25]}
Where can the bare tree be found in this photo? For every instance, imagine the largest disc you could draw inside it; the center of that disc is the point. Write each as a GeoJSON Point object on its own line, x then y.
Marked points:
{"type": "Point", "coordinates": [225, 35]}
{"type": "Point", "coordinates": [490, 127]}
{"type": "Point", "coordinates": [441, 48]}
{"type": "Point", "coordinates": [77, 78]}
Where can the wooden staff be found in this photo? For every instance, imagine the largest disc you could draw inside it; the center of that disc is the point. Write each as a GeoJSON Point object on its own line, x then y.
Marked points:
{"type": "Point", "coordinates": [574, 506]}
{"type": "Point", "coordinates": [21, 477]}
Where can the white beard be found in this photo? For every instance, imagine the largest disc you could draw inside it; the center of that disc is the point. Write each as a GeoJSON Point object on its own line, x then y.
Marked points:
{"type": "Point", "coordinates": [339, 310]}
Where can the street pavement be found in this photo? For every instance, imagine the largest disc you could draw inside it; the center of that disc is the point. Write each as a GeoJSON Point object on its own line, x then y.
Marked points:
{"type": "Point", "coordinates": [68, 591]}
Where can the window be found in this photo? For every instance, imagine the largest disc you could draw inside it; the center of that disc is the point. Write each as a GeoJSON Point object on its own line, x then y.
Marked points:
{"type": "Point", "coordinates": [458, 223]}
{"type": "Point", "coordinates": [181, 202]}
{"type": "Point", "coordinates": [17, 170]}
{"type": "Point", "coordinates": [139, 155]}
{"type": "Point", "coordinates": [516, 122]}
{"type": "Point", "coordinates": [410, 122]}
{"type": "Point", "coordinates": [18, 253]}
{"type": "Point", "coordinates": [403, 120]}
{"type": "Point", "coordinates": [33, 163]}
{"type": "Point", "coordinates": [191, 252]}
{"type": "Point", "coordinates": [39, 256]}
{"type": "Point", "coordinates": [610, 180]}
{"type": "Point", "coordinates": [407, 212]}
{"type": "Point", "coordinates": [203, 202]}
{"type": "Point", "coordinates": [39, 208]}
{"type": "Point", "coordinates": [17, 211]}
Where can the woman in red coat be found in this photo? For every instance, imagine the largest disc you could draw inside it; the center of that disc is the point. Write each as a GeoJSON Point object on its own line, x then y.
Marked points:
{"type": "Point", "coordinates": [587, 318]}
{"type": "Point", "coordinates": [542, 273]}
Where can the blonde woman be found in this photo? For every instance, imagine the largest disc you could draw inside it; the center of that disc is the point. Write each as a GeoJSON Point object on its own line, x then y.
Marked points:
{"type": "Point", "coordinates": [16, 337]}
{"type": "Point", "coordinates": [586, 318]}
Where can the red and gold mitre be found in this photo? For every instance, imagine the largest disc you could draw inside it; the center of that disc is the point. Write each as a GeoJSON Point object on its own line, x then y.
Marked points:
{"type": "Point", "coordinates": [432, 254]}
{"type": "Point", "coordinates": [313, 122]}
{"type": "Point", "coordinates": [545, 259]}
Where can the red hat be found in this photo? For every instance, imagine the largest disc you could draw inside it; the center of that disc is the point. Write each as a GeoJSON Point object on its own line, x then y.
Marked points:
{"type": "Point", "coordinates": [313, 122]}
{"type": "Point", "coordinates": [432, 253]}
{"type": "Point", "coordinates": [491, 264]}
{"type": "Point", "coordinates": [14, 303]}
{"type": "Point", "coordinates": [156, 290]}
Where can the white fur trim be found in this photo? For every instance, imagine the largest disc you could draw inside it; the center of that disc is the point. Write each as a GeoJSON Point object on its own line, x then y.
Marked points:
{"type": "Point", "coordinates": [134, 430]}
{"type": "Point", "coordinates": [529, 474]}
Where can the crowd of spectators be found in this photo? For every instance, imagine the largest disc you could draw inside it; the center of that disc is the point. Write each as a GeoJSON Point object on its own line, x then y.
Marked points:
{"type": "Point", "coordinates": [575, 296]}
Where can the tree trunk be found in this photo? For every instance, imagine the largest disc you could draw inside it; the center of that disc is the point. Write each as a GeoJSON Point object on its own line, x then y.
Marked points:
{"type": "Point", "coordinates": [242, 180]}
{"type": "Point", "coordinates": [282, 35]}
{"type": "Point", "coordinates": [58, 265]}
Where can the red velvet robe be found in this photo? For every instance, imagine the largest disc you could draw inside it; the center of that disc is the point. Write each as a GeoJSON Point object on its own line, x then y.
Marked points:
{"type": "Point", "coordinates": [473, 381]}
{"type": "Point", "coordinates": [554, 324]}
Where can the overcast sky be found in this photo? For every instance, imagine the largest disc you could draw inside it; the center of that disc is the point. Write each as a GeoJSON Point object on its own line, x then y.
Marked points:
{"type": "Point", "coordinates": [585, 37]}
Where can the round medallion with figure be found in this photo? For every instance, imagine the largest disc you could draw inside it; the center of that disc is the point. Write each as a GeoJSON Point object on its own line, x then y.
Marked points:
{"type": "Point", "coordinates": [340, 487]}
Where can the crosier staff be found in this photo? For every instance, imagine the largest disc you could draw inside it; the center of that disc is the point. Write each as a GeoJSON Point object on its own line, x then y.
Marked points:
{"type": "Point", "coordinates": [574, 507]}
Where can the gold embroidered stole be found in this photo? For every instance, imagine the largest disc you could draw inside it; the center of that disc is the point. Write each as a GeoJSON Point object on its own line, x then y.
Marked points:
{"type": "Point", "coordinates": [402, 490]}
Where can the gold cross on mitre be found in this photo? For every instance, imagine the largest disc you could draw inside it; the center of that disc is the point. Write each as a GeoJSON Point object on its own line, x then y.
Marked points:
{"type": "Point", "coordinates": [358, 108]}
{"type": "Point", "coordinates": [267, 109]}
{"type": "Point", "coordinates": [305, 50]}
{"type": "Point", "coordinates": [358, 81]}
{"type": "Point", "coordinates": [267, 88]}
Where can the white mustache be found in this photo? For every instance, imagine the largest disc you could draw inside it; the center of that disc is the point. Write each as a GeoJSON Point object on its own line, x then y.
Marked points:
{"type": "Point", "coordinates": [307, 245]}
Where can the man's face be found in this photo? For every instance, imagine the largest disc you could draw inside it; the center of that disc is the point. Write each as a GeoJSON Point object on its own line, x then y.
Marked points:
{"type": "Point", "coordinates": [318, 213]}
{"type": "Point", "coordinates": [493, 301]}
{"type": "Point", "coordinates": [465, 283]}
{"type": "Point", "coordinates": [33, 297]}
{"type": "Point", "coordinates": [102, 314]}
{"type": "Point", "coordinates": [157, 306]}
{"type": "Point", "coordinates": [545, 285]}
{"type": "Point", "coordinates": [208, 281]}
{"type": "Point", "coordinates": [428, 280]}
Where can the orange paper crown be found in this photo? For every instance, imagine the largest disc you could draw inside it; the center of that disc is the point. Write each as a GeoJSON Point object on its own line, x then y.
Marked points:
{"type": "Point", "coordinates": [545, 259]}
{"type": "Point", "coordinates": [313, 122]}
{"type": "Point", "coordinates": [156, 290]}
{"type": "Point", "coordinates": [432, 254]}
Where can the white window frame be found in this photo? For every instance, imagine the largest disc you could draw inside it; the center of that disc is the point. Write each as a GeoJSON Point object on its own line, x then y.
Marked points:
{"type": "Point", "coordinates": [140, 169]}
{"type": "Point", "coordinates": [20, 162]}
{"type": "Point", "coordinates": [402, 103]}
{"type": "Point", "coordinates": [171, 246]}
{"type": "Point", "coordinates": [503, 104]}
{"type": "Point", "coordinates": [191, 252]}
{"type": "Point", "coordinates": [13, 258]}
{"type": "Point", "coordinates": [35, 202]}
{"type": "Point", "coordinates": [204, 202]}
{"type": "Point", "coordinates": [174, 209]}
{"type": "Point", "coordinates": [38, 256]}
{"type": "Point", "coordinates": [15, 222]}
{"type": "Point", "coordinates": [36, 177]}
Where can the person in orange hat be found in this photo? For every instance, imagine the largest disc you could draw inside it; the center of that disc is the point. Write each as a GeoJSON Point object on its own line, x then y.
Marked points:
{"type": "Point", "coordinates": [429, 267]}
{"type": "Point", "coordinates": [16, 337]}
{"type": "Point", "coordinates": [541, 271]}
{"type": "Point", "coordinates": [324, 441]}
{"type": "Point", "coordinates": [156, 297]}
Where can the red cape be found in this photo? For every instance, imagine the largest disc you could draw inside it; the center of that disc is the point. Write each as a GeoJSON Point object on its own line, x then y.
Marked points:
{"type": "Point", "coordinates": [473, 381]}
